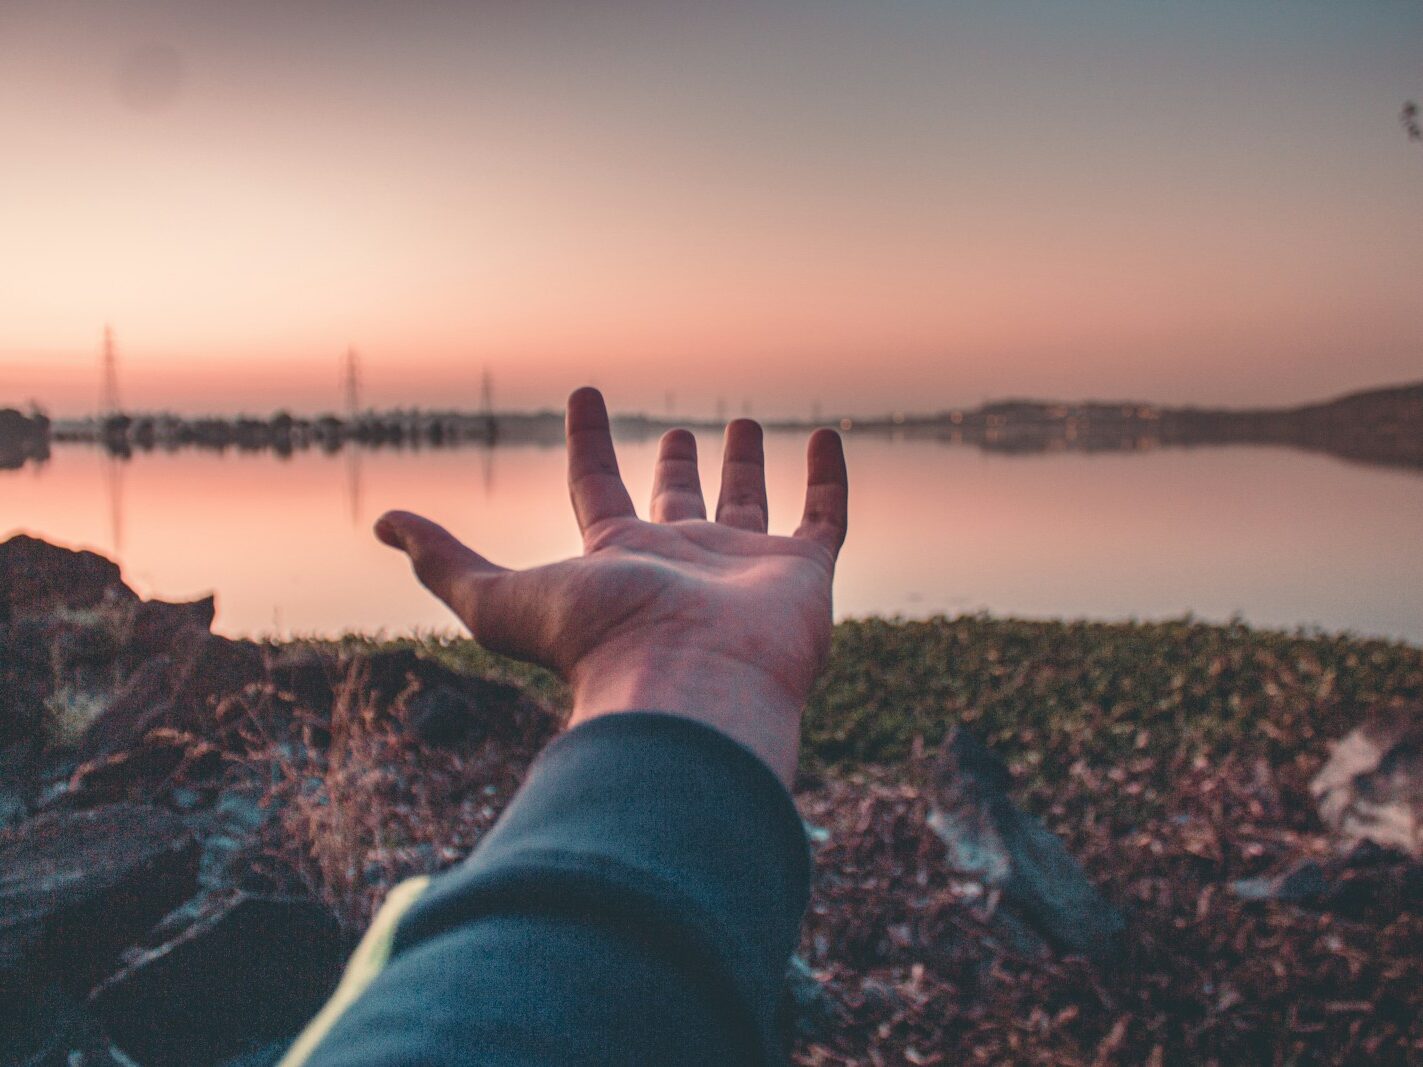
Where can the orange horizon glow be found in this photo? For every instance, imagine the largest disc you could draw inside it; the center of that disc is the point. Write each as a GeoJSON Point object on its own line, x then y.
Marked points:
{"type": "Point", "coordinates": [906, 209]}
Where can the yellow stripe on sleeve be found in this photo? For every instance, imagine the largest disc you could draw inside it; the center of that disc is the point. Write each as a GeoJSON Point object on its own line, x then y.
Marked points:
{"type": "Point", "coordinates": [366, 962]}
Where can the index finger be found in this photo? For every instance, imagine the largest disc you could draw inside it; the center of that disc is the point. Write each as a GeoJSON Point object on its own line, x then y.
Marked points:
{"type": "Point", "coordinates": [827, 492]}
{"type": "Point", "coordinates": [593, 480]}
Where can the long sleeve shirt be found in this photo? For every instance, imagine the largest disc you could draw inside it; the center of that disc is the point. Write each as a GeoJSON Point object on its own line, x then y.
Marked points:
{"type": "Point", "coordinates": [636, 904]}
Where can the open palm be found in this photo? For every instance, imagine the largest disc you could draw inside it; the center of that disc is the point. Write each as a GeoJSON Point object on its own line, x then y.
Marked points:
{"type": "Point", "coordinates": [678, 613]}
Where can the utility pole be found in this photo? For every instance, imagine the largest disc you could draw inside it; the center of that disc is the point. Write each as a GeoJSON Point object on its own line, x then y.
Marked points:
{"type": "Point", "coordinates": [109, 398]}
{"type": "Point", "coordinates": [351, 383]}
{"type": "Point", "coordinates": [351, 390]}
{"type": "Point", "coordinates": [112, 435]}
{"type": "Point", "coordinates": [486, 400]}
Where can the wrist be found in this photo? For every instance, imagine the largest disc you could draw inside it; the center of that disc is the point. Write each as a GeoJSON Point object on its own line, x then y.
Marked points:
{"type": "Point", "coordinates": [743, 700]}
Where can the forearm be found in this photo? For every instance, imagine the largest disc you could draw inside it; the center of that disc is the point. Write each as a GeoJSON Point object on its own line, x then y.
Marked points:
{"type": "Point", "coordinates": [636, 904]}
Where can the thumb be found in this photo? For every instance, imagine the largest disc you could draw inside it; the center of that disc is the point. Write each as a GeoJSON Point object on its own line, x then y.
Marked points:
{"type": "Point", "coordinates": [445, 565]}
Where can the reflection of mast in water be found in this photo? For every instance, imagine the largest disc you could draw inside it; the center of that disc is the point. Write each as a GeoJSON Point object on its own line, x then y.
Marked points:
{"type": "Point", "coordinates": [351, 388]}
{"type": "Point", "coordinates": [353, 482]}
{"type": "Point", "coordinates": [487, 468]}
{"type": "Point", "coordinates": [114, 490]}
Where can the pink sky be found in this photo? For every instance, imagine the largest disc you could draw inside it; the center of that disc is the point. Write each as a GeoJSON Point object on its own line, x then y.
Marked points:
{"type": "Point", "coordinates": [900, 206]}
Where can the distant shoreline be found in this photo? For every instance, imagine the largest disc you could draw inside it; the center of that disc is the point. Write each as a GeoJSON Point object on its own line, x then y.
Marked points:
{"type": "Point", "coordinates": [1381, 426]}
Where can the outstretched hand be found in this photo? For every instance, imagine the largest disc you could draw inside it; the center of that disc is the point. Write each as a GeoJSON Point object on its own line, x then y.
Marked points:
{"type": "Point", "coordinates": [717, 621]}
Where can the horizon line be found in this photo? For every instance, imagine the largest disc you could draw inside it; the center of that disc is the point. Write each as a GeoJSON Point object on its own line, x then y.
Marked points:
{"type": "Point", "coordinates": [706, 420]}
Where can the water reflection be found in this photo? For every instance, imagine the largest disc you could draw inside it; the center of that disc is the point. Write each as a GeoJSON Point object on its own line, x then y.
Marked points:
{"type": "Point", "coordinates": [353, 485]}
{"type": "Point", "coordinates": [114, 491]}
{"type": "Point", "coordinates": [1282, 537]}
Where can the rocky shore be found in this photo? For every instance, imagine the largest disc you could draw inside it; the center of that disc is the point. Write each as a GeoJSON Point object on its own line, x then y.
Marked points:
{"type": "Point", "coordinates": [1034, 842]}
{"type": "Point", "coordinates": [193, 830]}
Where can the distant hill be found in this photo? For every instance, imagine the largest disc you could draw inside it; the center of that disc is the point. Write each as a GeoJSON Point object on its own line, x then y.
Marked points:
{"type": "Point", "coordinates": [1383, 426]}
{"type": "Point", "coordinates": [1376, 426]}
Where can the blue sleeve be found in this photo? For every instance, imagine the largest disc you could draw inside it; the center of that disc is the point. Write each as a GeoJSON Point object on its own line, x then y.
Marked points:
{"type": "Point", "coordinates": [637, 903]}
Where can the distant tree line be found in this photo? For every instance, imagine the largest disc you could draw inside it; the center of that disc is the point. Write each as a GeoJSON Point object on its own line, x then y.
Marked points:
{"type": "Point", "coordinates": [23, 437]}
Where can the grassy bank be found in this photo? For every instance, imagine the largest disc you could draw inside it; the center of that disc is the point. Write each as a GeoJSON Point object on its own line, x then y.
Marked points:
{"type": "Point", "coordinates": [1047, 694]}
{"type": "Point", "coordinates": [1172, 758]}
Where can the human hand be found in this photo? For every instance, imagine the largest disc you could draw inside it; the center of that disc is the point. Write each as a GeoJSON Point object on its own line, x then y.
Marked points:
{"type": "Point", "coordinates": [716, 621]}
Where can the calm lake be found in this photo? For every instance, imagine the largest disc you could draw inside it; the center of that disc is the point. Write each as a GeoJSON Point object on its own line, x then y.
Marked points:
{"type": "Point", "coordinates": [1279, 537]}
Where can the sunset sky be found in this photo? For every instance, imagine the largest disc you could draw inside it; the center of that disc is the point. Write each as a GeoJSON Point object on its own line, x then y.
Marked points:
{"type": "Point", "coordinates": [872, 206]}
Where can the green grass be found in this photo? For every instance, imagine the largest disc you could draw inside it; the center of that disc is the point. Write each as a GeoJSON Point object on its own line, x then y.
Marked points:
{"type": "Point", "coordinates": [1106, 725]}
{"type": "Point", "coordinates": [1045, 694]}
{"type": "Point", "coordinates": [1215, 689]}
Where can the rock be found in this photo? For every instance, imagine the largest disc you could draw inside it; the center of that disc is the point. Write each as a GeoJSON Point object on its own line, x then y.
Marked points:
{"type": "Point", "coordinates": [1369, 884]}
{"type": "Point", "coordinates": [441, 717]}
{"type": "Point", "coordinates": [84, 661]}
{"type": "Point", "coordinates": [25, 680]}
{"type": "Point", "coordinates": [231, 832]}
{"type": "Point", "coordinates": [179, 690]}
{"type": "Point", "coordinates": [18, 781]}
{"type": "Point", "coordinates": [991, 841]}
{"type": "Point", "coordinates": [1371, 788]}
{"type": "Point", "coordinates": [159, 626]}
{"type": "Point", "coordinates": [88, 666]}
{"type": "Point", "coordinates": [164, 762]}
{"type": "Point", "coordinates": [311, 675]}
{"type": "Point", "coordinates": [439, 706]}
{"type": "Point", "coordinates": [135, 697]}
{"type": "Point", "coordinates": [38, 578]}
{"type": "Point", "coordinates": [1303, 882]}
{"type": "Point", "coordinates": [76, 887]}
{"type": "Point", "coordinates": [74, 639]}
{"type": "Point", "coordinates": [315, 676]}
{"type": "Point", "coordinates": [391, 672]}
{"type": "Point", "coordinates": [56, 671]}
{"type": "Point", "coordinates": [251, 972]}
